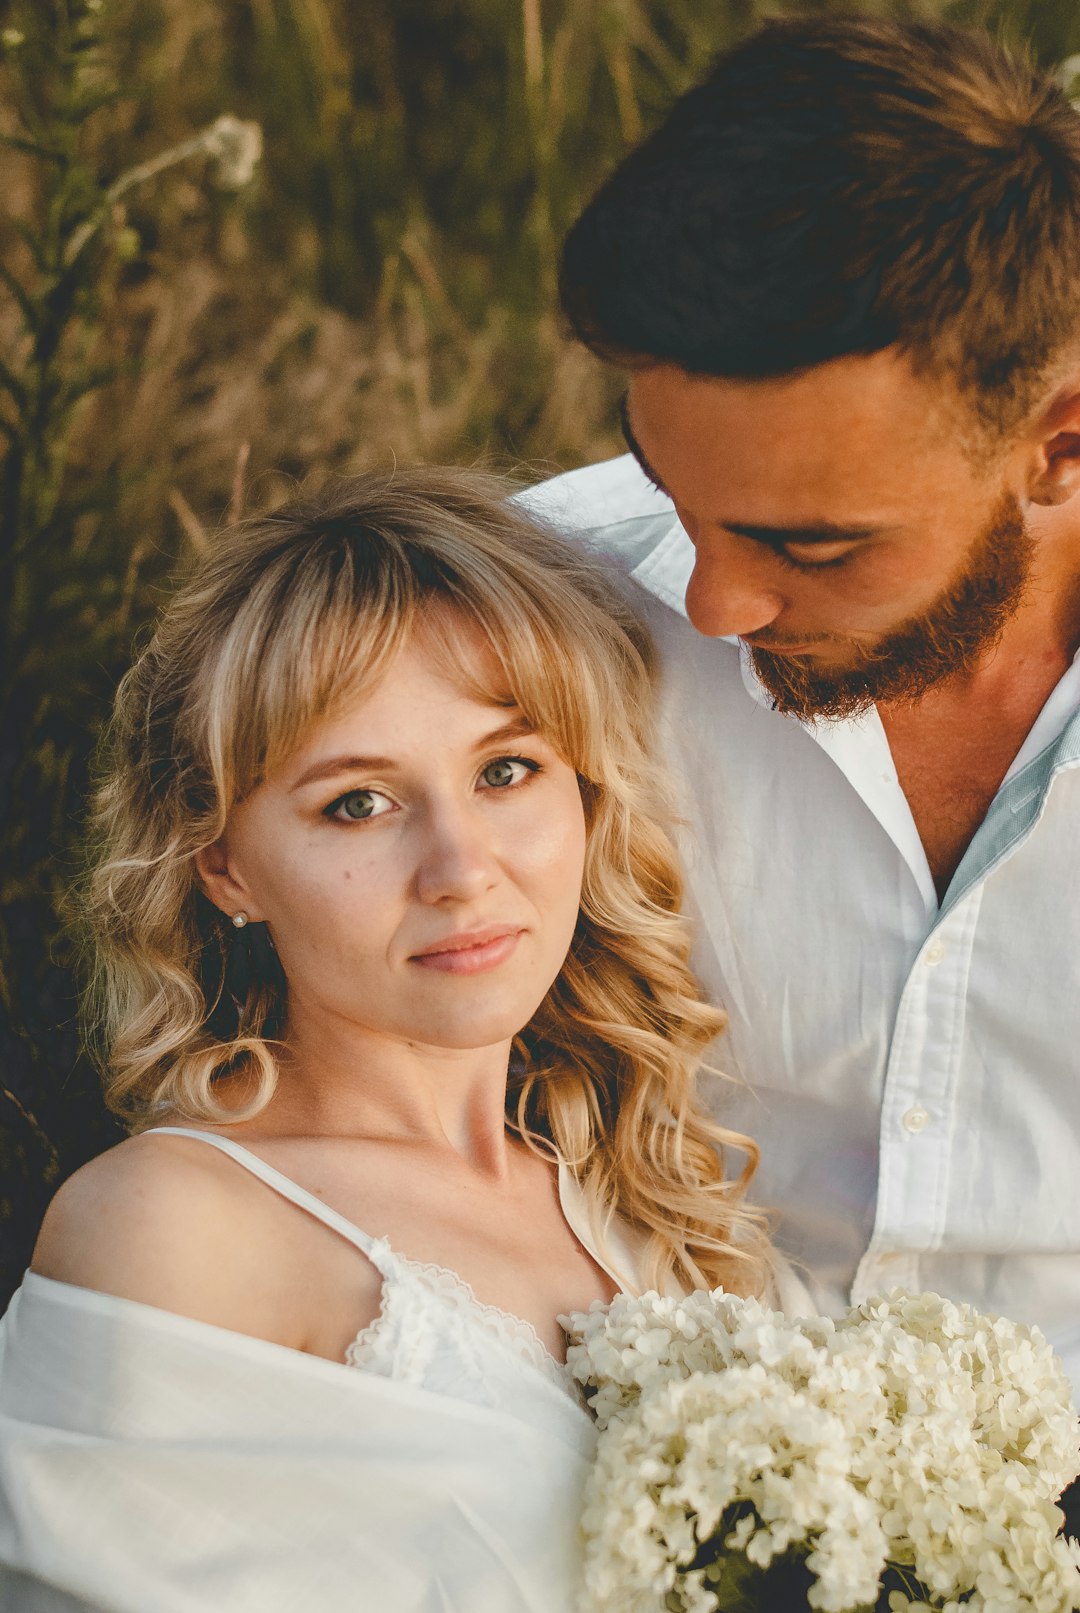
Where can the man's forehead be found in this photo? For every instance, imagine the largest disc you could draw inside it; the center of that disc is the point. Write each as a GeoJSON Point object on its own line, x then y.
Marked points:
{"type": "Point", "coordinates": [843, 446]}
{"type": "Point", "coordinates": [856, 393]}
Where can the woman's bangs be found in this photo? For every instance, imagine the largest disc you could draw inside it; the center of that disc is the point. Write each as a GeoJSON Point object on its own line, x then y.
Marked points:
{"type": "Point", "coordinates": [317, 661]}
{"type": "Point", "coordinates": [519, 659]}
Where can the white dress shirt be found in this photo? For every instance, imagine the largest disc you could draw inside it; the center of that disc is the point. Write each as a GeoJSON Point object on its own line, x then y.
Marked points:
{"type": "Point", "coordinates": [910, 1068]}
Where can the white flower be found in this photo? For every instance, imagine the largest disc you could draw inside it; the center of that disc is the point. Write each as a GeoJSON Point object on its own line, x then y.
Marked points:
{"type": "Point", "coordinates": [237, 145]}
{"type": "Point", "coordinates": [915, 1431]}
{"type": "Point", "coordinates": [665, 1476]}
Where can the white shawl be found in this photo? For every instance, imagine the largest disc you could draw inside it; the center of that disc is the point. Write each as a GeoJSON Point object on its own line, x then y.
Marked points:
{"type": "Point", "coordinates": [153, 1464]}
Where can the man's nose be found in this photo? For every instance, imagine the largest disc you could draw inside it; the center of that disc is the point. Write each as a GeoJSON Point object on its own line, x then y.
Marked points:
{"type": "Point", "coordinates": [458, 861]}
{"type": "Point", "coordinates": [726, 597]}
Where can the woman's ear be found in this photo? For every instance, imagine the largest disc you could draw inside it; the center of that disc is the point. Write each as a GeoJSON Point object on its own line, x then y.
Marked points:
{"type": "Point", "coordinates": [221, 884]}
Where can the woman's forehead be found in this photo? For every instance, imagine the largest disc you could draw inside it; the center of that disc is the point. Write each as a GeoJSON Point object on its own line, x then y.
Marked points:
{"type": "Point", "coordinates": [464, 653]}
{"type": "Point", "coordinates": [444, 654]}
{"type": "Point", "coordinates": [435, 688]}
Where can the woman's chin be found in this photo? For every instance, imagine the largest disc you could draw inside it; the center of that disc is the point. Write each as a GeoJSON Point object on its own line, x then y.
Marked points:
{"type": "Point", "coordinates": [472, 1034]}
{"type": "Point", "coordinates": [474, 1026]}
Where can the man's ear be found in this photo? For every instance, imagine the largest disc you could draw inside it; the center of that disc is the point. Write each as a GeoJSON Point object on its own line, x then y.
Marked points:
{"type": "Point", "coordinates": [222, 884]}
{"type": "Point", "coordinates": [1056, 471]}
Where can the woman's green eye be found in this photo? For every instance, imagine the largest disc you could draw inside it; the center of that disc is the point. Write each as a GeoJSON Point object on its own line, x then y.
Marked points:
{"type": "Point", "coordinates": [358, 804]}
{"type": "Point", "coordinates": [500, 772]}
{"type": "Point", "coordinates": [506, 770]}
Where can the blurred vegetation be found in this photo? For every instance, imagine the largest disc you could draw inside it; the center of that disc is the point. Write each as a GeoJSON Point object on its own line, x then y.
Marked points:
{"type": "Point", "coordinates": [177, 345]}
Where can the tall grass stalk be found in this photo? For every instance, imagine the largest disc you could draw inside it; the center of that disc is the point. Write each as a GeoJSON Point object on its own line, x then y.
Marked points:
{"type": "Point", "coordinates": [65, 602]}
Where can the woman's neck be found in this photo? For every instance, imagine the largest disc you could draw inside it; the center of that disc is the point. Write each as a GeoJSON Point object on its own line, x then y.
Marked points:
{"type": "Point", "coordinates": [340, 1081]}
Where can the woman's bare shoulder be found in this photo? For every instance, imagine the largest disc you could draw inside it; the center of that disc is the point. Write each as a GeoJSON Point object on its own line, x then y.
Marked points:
{"type": "Point", "coordinates": [169, 1222]}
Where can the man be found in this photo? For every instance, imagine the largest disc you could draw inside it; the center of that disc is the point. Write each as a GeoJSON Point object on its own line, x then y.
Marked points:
{"type": "Point", "coordinates": [844, 278]}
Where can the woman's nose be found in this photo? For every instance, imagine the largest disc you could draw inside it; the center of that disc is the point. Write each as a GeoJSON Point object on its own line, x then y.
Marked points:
{"type": "Point", "coordinates": [458, 861]}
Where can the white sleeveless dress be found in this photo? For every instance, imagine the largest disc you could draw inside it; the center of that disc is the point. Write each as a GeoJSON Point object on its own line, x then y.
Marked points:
{"type": "Point", "coordinates": [431, 1330]}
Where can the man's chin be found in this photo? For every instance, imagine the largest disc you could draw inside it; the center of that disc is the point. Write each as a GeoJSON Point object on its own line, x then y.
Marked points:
{"type": "Point", "coordinates": [811, 684]}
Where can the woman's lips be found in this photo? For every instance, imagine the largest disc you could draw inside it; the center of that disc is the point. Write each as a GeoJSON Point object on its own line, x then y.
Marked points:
{"type": "Point", "coordinates": [467, 955]}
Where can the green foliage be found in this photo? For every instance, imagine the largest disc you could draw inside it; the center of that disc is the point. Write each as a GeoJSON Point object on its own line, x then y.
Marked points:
{"type": "Point", "coordinates": [71, 585]}
{"type": "Point", "coordinates": [169, 352]}
{"type": "Point", "coordinates": [57, 604]}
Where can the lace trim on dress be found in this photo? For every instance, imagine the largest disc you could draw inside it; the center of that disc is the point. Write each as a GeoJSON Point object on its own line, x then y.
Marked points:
{"type": "Point", "coordinates": [366, 1339]}
{"type": "Point", "coordinates": [513, 1332]}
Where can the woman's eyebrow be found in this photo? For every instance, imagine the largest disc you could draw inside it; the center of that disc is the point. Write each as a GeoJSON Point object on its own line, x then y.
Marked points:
{"type": "Point", "coordinates": [333, 766]}
{"type": "Point", "coordinates": [517, 728]}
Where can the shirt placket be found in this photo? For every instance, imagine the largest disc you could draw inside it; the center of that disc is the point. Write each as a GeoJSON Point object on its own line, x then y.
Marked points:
{"type": "Point", "coordinates": [919, 1107]}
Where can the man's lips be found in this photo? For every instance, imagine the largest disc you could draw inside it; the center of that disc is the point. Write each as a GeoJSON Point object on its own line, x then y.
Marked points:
{"type": "Point", "coordinates": [471, 951]}
{"type": "Point", "coordinates": [783, 648]}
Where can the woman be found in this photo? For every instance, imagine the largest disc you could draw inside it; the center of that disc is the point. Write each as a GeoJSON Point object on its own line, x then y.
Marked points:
{"type": "Point", "coordinates": [393, 992]}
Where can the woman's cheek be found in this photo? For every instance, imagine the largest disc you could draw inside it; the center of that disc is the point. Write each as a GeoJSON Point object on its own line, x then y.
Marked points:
{"type": "Point", "coordinates": [553, 847]}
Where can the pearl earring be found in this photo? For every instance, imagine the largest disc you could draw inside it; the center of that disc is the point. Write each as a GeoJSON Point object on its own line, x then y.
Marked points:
{"type": "Point", "coordinates": [240, 919]}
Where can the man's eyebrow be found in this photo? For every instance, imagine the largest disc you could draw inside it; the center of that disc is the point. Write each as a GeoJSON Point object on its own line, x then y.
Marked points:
{"type": "Point", "coordinates": [635, 447]}
{"type": "Point", "coordinates": [820, 532]}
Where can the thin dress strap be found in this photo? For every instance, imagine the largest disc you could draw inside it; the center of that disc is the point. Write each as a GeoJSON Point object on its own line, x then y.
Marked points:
{"type": "Point", "coordinates": [376, 1249]}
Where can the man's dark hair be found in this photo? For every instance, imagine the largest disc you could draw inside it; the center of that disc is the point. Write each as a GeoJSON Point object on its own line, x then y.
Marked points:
{"type": "Point", "coordinates": [836, 186]}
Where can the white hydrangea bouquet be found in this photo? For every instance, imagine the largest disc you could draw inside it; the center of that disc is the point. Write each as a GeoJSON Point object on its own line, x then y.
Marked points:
{"type": "Point", "coordinates": [907, 1457]}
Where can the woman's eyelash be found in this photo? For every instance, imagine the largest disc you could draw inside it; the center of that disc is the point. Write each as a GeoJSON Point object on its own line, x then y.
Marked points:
{"type": "Point", "coordinates": [528, 762]}
{"type": "Point", "coordinates": [333, 807]}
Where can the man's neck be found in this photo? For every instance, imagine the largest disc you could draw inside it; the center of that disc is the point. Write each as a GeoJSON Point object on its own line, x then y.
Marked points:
{"type": "Point", "coordinates": [954, 746]}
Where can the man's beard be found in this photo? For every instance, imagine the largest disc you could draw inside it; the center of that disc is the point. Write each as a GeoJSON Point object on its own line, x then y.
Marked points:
{"type": "Point", "coordinates": [962, 624]}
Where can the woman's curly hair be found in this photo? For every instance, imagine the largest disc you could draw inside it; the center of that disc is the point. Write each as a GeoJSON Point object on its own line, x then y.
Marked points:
{"type": "Point", "coordinates": [294, 617]}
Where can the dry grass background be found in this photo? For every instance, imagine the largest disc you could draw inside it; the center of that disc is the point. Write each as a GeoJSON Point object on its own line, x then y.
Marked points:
{"type": "Point", "coordinates": [382, 289]}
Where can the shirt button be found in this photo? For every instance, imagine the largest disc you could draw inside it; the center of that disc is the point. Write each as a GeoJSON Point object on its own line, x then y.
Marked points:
{"type": "Point", "coordinates": [934, 953]}
{"type": "Point", "coordinates": [916, 1119]}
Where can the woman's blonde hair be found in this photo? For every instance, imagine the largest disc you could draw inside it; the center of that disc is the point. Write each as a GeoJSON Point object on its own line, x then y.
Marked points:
{"type": "Point", "coordinates": [294, 617]}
